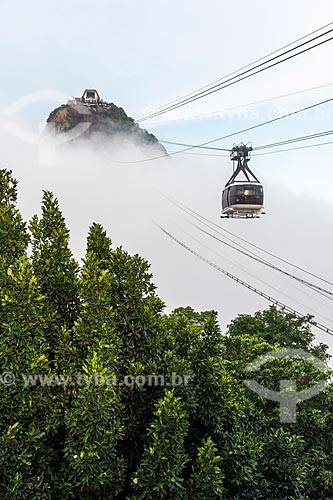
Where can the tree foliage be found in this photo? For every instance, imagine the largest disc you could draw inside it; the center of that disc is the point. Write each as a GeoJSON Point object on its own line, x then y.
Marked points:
{"type": "Point", "coordinates": [114, 399]}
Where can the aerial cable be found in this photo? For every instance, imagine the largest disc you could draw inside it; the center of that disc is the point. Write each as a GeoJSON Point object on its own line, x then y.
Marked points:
{"type": "Point", "coordinates": [246, 66]}
{"type": "Point", "coordinates": [194, 146]}
{"type": "Point", "coordinates": [243, 105]}
{"type": "Point", "coordinates": [318, 289]}
{"type": "Point", "coordinates": [273, 120]}
{"type": "Point", "coordinates": [296, 139]}
{"type": "Point", "coordinates": [267, 153]}
{"type": "Point", "coordinates": [189, 211]}
{"type": "Point", "coordinates": [260, 154]}
{"type": "Point", "coordinates": [248, 286]}
{"type": "Point", "coordinates": [246, 271]}
{"type": "Point", "coordinates": [232, 81]}
{"type": "Point", "coordinates": [225, 83]}
{"type": "Point", "coordinates": [281, 143]}
{"type": "Point", "coordinates": [207, 154]}
{"type": "Point", "coordinates": [293, 149]}
{"type": "Point", "coordinates": [252, 255]}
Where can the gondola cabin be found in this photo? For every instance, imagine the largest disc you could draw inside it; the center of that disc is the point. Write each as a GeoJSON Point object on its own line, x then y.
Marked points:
{"type": "Point", "coordinates": [242, 198]}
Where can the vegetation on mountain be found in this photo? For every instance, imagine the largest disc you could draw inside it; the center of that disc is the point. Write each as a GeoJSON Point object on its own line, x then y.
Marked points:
{"type": "Point", "coordinates": [107, 119]}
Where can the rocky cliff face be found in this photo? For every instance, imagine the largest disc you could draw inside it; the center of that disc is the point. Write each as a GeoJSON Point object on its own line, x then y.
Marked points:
{"type": "Point", "coordinates": [103, 118]}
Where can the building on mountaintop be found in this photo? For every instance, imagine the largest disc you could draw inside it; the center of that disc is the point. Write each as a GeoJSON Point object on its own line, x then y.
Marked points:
{"type": "Point", "coordinates": [90, 97]}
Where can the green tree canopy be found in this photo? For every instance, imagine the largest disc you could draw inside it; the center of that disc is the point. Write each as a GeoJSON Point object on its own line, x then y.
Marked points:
{"type": "Point", "coordinates": [113, 399]}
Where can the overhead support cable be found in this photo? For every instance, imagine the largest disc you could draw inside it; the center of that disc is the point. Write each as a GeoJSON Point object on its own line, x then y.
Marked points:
{"type": "Point", "coordinates": [236, 79]}
{"type": "Point", "coordinates": [241, 106]}
{"type": "Point", "coordinates": [273, 120]}
{"type": "Point", "coordinates": [256, 148]}
{"type": "Point", "coordinates": [267, 153]}
{"type": "Point", "coordinates": [294, 149]}
{"type": "Point", "coordinates": [196, 215]}
{"type": "Point", "coordinates": [246, 66]}
{"type": "Point", "coordinates": [248, 286]}
{"type": "Point", "coordinates": [322, 291]}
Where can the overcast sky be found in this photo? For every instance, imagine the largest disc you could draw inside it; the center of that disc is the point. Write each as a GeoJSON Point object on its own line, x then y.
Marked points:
{"type": "Point", "coordinates": [141, 55]}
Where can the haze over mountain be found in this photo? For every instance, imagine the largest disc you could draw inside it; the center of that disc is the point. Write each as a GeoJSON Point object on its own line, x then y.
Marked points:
{"type": "Point", "coordinates": [92, 184]}
{"type": "Point", "coordinates": [98, 118]}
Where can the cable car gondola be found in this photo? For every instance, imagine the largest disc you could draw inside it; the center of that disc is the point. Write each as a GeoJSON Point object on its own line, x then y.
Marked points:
{"type": "Point", "coordinates": [242, 199]}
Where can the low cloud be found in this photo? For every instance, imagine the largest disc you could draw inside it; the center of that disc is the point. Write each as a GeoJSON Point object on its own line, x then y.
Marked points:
{"type": "Point", "coordinates": [128, 199]}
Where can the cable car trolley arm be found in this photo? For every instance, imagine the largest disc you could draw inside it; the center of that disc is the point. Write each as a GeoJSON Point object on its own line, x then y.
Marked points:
{"type": "Point", "coordinates": [242, 198]}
